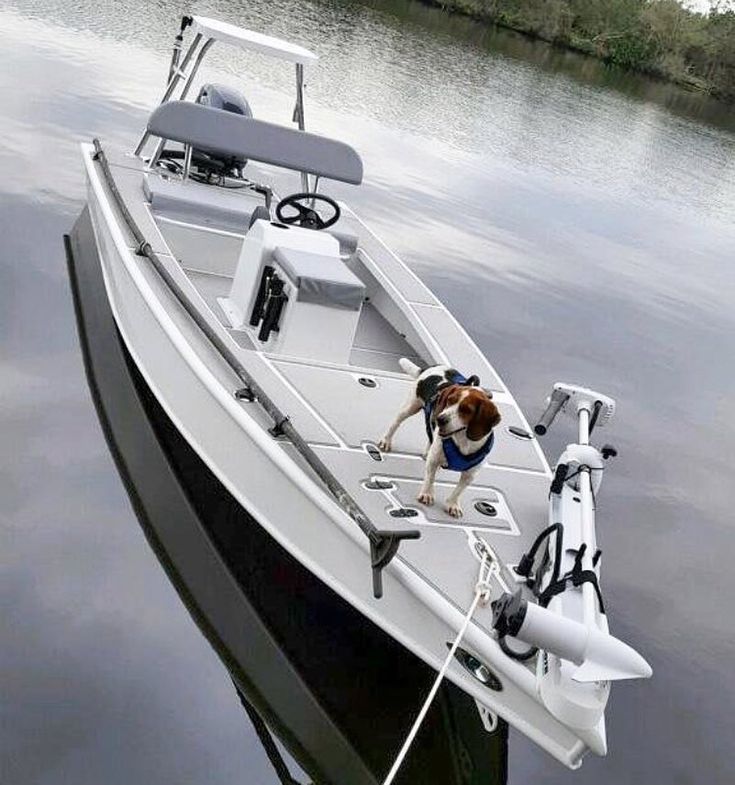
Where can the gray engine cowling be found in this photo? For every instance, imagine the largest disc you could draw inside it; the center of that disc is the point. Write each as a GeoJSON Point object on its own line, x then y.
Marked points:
{"type": "Point", "coordinates": [218, 96]}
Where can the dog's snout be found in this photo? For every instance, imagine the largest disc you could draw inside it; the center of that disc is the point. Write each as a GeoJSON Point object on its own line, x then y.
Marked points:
{"type": "Point", "coordinates": [442, 420]}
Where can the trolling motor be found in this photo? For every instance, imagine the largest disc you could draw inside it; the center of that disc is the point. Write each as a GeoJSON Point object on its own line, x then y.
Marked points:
{"type": "Point", "coordinates": [564, 617]}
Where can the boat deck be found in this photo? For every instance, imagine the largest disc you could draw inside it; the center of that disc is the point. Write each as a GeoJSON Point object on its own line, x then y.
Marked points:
{"type": "Point", "coordinates": [340, 417]}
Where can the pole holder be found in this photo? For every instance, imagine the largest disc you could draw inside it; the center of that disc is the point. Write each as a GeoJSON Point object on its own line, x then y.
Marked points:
{"type": "Point", "coordinates": [383, 547]}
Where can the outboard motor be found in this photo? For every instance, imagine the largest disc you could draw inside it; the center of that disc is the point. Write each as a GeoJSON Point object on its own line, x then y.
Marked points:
{"type": "Point", "coordinates": [219, 96]}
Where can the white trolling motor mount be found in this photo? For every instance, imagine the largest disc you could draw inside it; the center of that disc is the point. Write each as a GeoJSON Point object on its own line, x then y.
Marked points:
{"type": "Point", "coordinates": [562, 619]}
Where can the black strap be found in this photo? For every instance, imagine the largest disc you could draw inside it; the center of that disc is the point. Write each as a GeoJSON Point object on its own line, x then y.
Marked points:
{"type": "Point", "coordinates": [580, 576]}
{"type": "Point", "coordinates": [576, 576]}
{"type": "Point", "coordinates": [525, 565]}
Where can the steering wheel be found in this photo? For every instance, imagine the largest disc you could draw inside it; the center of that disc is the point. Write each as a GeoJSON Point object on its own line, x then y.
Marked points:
{"type": "Point", "coordinates": [306, 215]}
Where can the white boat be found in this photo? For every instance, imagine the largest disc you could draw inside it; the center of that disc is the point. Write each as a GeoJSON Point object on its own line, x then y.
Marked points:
{"type": "Point", "coordinates": [270, 331]}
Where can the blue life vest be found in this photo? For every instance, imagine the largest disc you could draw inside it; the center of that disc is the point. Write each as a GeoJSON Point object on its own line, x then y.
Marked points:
{"type": "Point", "coordinates": [455, 460]}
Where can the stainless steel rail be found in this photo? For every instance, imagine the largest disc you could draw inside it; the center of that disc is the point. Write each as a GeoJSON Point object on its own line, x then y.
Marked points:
{"type": "Point", "coordinates": [384, 544]}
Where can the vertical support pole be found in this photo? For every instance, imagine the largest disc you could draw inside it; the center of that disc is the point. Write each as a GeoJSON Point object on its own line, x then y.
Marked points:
{"type": "Point", "coordinates": [299, 114]}
{"type": "Point", "coordinates": [202, 52]}
{"type": "Point", "coordinates": [177, 76]}
{"type": "Point", "coordinates": [178, 41]}
{"type": "Point", "coordinates": [187, 162]}
{"type": "Point", "coordinates": [175, 57]}
{"type": "Point", "coordinates": [584, 423]}
{"type": "Point", "coordinates": [315, 188]}
{"type": "Point", "coordinates": [156, 154]}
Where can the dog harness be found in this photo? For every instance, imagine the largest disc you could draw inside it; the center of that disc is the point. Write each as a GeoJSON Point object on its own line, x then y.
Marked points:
{"type": "Point", "coordinates": [455, 460]}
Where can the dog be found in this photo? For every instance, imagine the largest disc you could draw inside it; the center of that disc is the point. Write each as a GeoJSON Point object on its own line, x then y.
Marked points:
{"type": "Point", "coordinates": [460, 418]}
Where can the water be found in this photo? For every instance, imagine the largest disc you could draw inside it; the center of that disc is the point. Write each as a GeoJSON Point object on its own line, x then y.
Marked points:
{"type": "Point", "coordinates": [579, 224]}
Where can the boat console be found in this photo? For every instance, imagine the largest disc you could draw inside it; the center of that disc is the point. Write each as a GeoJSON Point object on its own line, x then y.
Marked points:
{"type": "Point", "coordinates": [290, 286]}
{"type": "Point", "coordinates": [293, 288]}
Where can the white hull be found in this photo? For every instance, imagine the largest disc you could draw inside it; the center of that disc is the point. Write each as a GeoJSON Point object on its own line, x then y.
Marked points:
{"type": "Point", "coordinates": [195, 388]}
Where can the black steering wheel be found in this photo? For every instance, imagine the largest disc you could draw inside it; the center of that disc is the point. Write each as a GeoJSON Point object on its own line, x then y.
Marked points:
{"type": "Point", "coordinates": [306, 215]}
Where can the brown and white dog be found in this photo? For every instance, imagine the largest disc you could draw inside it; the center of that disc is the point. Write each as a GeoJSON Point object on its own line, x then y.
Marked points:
{"type": "Point", "coordinates": [460, 421]}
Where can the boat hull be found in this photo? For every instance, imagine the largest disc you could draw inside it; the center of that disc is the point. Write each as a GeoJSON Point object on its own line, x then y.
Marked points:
{"type": "Point", "coordinates": [319, 672]}
{"type": "Point", "coordinates": [195, 389]}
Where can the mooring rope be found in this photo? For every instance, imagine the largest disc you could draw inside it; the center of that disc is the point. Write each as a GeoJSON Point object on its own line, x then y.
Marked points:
{"type": "Point", "coordinates": [488, 567]}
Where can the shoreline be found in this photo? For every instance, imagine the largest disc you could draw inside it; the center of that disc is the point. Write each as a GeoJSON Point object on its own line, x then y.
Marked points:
{"type": "Point", "coordinates": [474, 10]}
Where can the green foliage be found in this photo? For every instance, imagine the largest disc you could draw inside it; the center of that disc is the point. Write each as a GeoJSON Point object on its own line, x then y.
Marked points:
{"type": "Point", "coordinates": [660, 37]}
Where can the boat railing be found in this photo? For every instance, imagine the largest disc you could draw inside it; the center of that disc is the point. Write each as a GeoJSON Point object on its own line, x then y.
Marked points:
{"type": "Point", "coordinates": [384, 544]}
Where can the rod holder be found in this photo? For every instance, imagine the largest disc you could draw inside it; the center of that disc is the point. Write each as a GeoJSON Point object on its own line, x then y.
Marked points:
{"type": "Point", "coordinates": [383, 547]}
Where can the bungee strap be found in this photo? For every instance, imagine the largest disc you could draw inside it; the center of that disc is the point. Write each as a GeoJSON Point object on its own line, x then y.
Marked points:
{"type": "Point", "coordinates": [576, 576]}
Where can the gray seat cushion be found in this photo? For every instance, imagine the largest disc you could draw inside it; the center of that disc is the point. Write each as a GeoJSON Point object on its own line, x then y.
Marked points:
{"type": "Point", "coordinates": [197, 203]}
{"type": "Point", "coordinates": [321, 279]}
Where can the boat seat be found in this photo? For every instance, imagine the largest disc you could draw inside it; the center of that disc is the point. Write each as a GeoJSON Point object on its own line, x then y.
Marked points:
{"type": "Point", "coordinates": [197, 203]}
{"type": "Point", "coordinates": [321, 279]}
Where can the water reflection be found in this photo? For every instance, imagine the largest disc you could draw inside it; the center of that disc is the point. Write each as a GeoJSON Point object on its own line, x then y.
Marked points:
{"type": "Point", "coordinates": [578, 222]}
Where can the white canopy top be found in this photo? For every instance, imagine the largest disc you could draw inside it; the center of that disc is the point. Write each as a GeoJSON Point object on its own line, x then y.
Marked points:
{"type": "Point", "coordinates": [248, 39]}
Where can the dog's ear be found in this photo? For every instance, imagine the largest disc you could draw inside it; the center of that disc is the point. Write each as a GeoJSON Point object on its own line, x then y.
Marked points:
{"type": "Point", "coordinates": [485, 418]}
{"type": "Point", "coordinates": [443, 398]}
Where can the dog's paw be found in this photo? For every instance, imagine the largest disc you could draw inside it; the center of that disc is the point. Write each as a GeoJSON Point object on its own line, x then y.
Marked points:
{"type": "Point", "coordinates": [426, 498]}
{"type": "Point", "coordinates": [384, 445]}
{"type": "Point", "coordinates": [454, 510]}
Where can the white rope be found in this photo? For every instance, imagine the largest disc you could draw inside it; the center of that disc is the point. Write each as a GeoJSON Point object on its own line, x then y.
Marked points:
{"type": "Point", "coordinates": [482, 595]}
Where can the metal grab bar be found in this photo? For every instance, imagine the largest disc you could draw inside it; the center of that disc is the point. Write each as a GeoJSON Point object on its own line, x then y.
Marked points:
{"type": "Point", "coordinates": [384, 544]}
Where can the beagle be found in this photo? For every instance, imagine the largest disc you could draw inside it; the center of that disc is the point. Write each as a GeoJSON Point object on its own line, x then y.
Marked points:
{"type": "Point", "coordinates": [460, 418]}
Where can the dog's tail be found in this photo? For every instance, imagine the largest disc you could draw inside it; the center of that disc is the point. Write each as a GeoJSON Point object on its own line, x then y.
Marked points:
{"type": "Point", "coordinates": [410, 368]}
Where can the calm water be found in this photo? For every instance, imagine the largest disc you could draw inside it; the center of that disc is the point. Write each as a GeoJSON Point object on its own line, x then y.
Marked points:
{"type": "Point", "coordinates": [579, 224]}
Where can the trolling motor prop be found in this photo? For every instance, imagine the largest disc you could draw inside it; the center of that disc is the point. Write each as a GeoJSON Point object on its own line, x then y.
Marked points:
{"type": "Point", "coordinates": [600, 656]}
{"type": "Point", "coordinates": [578, 658]}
